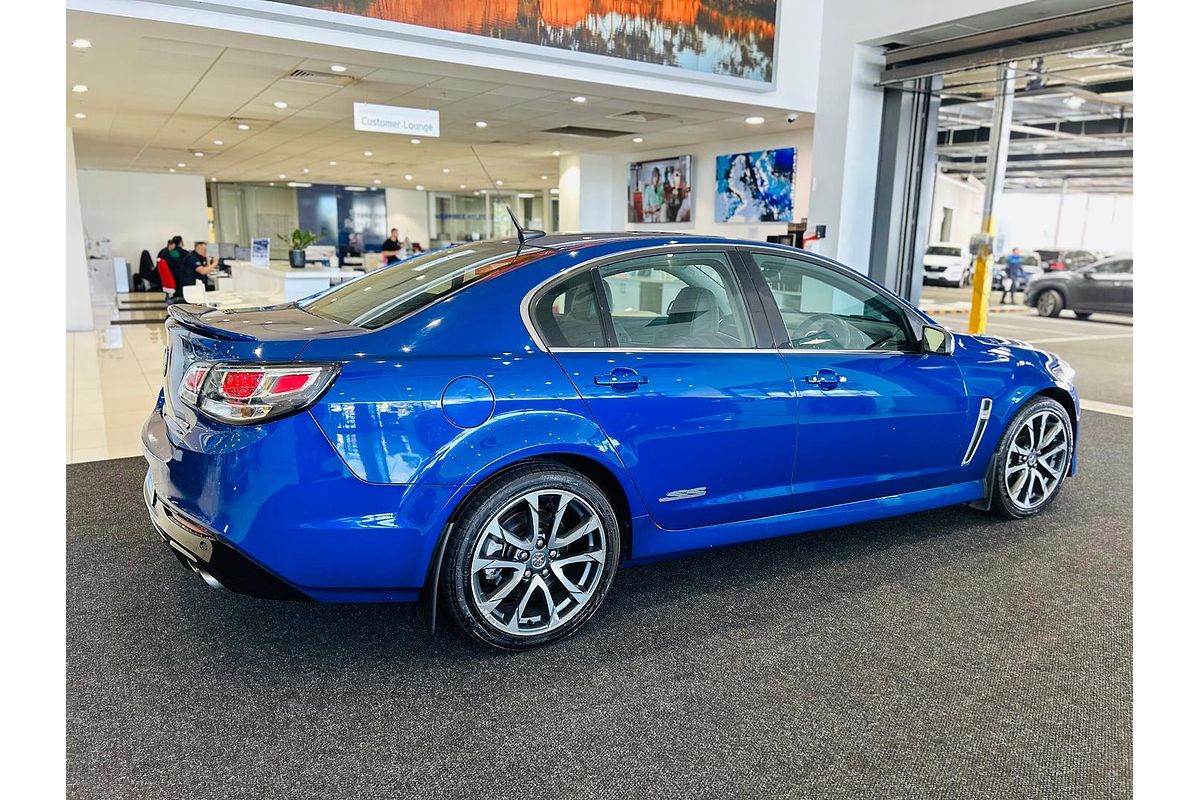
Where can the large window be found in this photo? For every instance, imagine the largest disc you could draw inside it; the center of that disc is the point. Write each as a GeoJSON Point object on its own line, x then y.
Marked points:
{"type": "Point", "coordinates": [825, 310]}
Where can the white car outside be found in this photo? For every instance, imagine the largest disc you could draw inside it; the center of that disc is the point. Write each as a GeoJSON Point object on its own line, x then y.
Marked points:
{"type": "Point", "coordinates": [947, 263]}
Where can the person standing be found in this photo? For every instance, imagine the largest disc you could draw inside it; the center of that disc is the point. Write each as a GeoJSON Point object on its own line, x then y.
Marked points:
{"type": "Point", "coordinates": [652, 201]}
{"type": "Point", "coordinates": [1014, 271]}
{"type": "Point", "coordinates": [392, 248]}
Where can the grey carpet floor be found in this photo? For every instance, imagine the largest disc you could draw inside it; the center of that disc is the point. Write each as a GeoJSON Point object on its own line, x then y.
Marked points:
{"type": "Point", "coordinates": [944, 655]}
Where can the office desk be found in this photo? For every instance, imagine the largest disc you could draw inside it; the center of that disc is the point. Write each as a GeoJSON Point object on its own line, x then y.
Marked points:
{"type": "Point", "coordinates": [280, 281]}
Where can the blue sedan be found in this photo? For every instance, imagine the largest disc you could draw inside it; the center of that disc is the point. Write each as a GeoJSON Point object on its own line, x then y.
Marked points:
{"type": "Point", "coordinates": [494, 427]}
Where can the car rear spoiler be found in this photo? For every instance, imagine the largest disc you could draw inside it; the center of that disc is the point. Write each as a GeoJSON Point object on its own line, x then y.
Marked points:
{"type": "Point", "coordinates": [192, 316]}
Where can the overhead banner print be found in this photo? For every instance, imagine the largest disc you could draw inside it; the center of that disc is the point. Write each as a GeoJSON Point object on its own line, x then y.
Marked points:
{"type": "Point", "coordinates": [756, 186]}
{"type": "Point", "coordinates": [720, 37]}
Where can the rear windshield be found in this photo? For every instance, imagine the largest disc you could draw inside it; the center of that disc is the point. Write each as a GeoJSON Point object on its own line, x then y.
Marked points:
{"type": "Point", "coordinates": [943, 251]}
{"type": "Point", "coordinates": [386, 295]}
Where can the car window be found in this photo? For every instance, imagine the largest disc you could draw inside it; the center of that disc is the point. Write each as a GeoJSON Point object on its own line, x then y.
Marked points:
{"type": "Point", "coordinates": [385, 295]}
{"type": "Point", "coordinates": [677, 300]}
{"type": "Point", "coordinates": [1114, 267]}
{"type": "Point", "coordinates": [825, 310]}
{"type": "Point", "coordinates": [569, 315]}
{"type": "Point", "coordinates": [940, 250]}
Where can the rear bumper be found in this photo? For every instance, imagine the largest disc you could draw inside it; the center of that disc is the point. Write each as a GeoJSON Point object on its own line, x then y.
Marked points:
{"type": "Point", "coordinates": [198, 549]}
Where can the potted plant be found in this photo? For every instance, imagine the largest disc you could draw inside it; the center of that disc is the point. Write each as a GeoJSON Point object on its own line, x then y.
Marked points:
{"type": "Point", "coordinates": [297, 243]}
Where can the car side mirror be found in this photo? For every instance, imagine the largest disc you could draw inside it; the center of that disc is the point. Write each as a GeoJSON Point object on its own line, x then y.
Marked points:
{"type": "Point", "coordinates": [937, 340]}
{"type": "Point", "coordinates": [1089, 275]}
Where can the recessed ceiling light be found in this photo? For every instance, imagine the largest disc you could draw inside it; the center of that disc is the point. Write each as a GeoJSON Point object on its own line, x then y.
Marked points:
{"type": "Point", "coordinates": [272, 183]}
{"type": "Point", "coordinates": [79, 88]}
{"type": "Point", "coordinates": [408, 177]}
{"type": "Point", "coordinates": [420, 188]}
{"type": "Point", "coordinates": [368, 153]}
{"type": "Point", "coordinates": [545, 177]}
{"type": "Point", "coordinates": [638, 140]}
{"type": "Point", "coordinates": [198, 154]}
{"type": "Point", "coordinates": [462, 186]}
{"type": "Point", "coordinates": [171, 169]}
{"type": "Point", "coordinates": [480, 124]}
{"type": "Point", "coordinates": [305, 170]}
{"type": "Point", "coordinates": [415, 141]}
{"type": "Point", "coordinates": [554, 190]}
{"type": "Point", "coordinates": [80, 115]}
{"type": "Point", "coordinates": [81, 44]}
{"type": "Point", "coordinates": [377, 181]}
{"type": "Point", "coordinates": [282, 177]}
{"type": "Point", "coordinates": [280, 104]}
{"type": "Point", "coordinates": [578, 99]}
{"type": "Point", "coordinates": [243, 126]}
{"type": "Point", "coordinates": [181, 165]}
{"type": "Point", "coordinates": [218, 142]}
{"type": "Point", "coordinates": [214, 180]}
{"type": "Point", "coordinates": [755, 120]}
{"type": "Point", "coordinates": [336, 68]}
{"type": "Point", "coordinates": [556, 153]}
{"type": "Point", "coordinates": [333, 163]}
{"type": "Point", "coordinates": [476, 193]}
{"type": "Point", "coordinates": [445, 170]}
{"type": "Point", "coordinates": [499, 183]}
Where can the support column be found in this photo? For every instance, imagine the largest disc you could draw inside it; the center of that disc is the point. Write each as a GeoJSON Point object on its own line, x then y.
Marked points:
{"type": "Point", "coordinates": [589, 198]}
{"type": "Point", "coordinates": [79, 299]}
{"type": "Point", "coordinates": [997, 164]}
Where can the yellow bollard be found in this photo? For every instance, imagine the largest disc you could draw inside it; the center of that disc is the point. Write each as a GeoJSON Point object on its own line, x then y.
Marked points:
{"type": "Point", "coordinates": [981, 282]}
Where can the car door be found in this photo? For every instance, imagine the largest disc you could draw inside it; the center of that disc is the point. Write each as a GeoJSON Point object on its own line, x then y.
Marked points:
{"type": "Point", "coordinates": [701, 415]}
{"type": "Point", "coordinates": [876, 416]}
{"type": "Point", "coordinates": [1106, 286]}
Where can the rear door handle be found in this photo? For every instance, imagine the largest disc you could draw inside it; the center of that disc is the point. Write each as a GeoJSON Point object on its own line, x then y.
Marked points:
{"type": "Point", "coordinates": [621, 378]}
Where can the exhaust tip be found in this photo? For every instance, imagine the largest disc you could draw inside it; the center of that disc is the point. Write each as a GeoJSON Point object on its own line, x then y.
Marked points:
{"type": "Point", "coordinates": [207, 578]}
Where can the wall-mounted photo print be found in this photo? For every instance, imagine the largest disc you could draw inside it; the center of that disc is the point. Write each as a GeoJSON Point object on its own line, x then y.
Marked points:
{"type": "Point", "coordinates": [661, 190]}
{"type": "Point", "coordinates": [756, 186]}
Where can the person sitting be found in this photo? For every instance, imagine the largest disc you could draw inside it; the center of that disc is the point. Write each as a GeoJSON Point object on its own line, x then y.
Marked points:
{"type": "Point", "coordinates": [194, 266]}
{"type": "Point", "coordinates": [147, 279]}
{"type": "Point", "coordinates": [170, 265]}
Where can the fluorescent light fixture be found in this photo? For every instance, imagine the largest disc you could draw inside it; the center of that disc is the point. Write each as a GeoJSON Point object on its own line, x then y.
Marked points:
{"type": "Point", "coordinates": [241, 126]}
{"type": "Point", "coordinates": [638, 140]}
{"type": "Point", "coordinates": [181, 165]}
{"type": "Point", "coordinates": [198, 154]}
{"type": "Point", "coordinates": [480, 124]}
{"type": "Point", "coordinates": [525, 195]}
{"type": "Point", "coordinates": [420, 188]}
{"type": "Point", "coordinates": [298, 185]}
{"type": "Point", "coordinates": [79, 88]}
{"type": "Point", "coordinates": [578, 99]}
{"type": "Point", "coordinates": [336, 68]}
{"type": "Point", "coordinates": [80, 115]}
{"type": "Point", "coordinates": [218, 142]}
{"type": "Point", "coordinates": [755, 120]}
{"type": "Point", "coordinates": [554, 190]}
{"type": "Point", "coordinates": [377, 181]}
{"type": "Point", "coordinates": [356, 188]}
{"type": "Point", "coordinates": [81, 44]}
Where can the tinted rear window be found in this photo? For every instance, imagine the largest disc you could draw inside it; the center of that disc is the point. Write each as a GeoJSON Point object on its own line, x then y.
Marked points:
{"type": "Point", "coordinates": [944, 251]}
{"type": "Point", "coordinates": [386, 295]}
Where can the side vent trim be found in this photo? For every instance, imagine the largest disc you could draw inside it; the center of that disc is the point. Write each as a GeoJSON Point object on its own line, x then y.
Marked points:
{"type": "Point", "coordinates": [985, 413]}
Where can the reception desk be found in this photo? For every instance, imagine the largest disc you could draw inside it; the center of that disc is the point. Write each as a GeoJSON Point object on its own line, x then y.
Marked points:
{"type": "Point", "coordinates": [283, 283]}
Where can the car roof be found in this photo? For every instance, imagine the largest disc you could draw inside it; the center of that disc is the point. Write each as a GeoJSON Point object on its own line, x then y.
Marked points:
{"type": "Point", "coordinates": [565, 241]}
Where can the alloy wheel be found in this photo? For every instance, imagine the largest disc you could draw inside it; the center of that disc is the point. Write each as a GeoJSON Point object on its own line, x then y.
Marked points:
{"type": "Point", "coordinates": [1036, 460]}
{"type": "Point", "coordinates": [537, 562]}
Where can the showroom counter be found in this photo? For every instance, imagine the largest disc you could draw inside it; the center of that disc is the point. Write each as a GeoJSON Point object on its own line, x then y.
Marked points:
{"type": "Point", "coordinates": [280, 280]}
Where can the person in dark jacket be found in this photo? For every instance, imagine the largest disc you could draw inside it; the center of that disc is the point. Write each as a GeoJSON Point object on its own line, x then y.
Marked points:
{"type": "Point", "coordinates": [148, 279]}
{"type": "Point", "coordinates": [170, 265]}
{"type": "Point", "coordinates": [1014, 271]}
{"type": "Point", "coordinates": [193, 266]}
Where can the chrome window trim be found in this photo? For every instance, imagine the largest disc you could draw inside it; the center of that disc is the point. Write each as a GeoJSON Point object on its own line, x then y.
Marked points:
{"type": "Point", "coordinates": [527, 300]}
{"type": "Point", "coordinates": [728, 350]}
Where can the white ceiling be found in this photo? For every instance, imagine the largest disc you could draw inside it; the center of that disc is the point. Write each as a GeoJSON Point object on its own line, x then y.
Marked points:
{"type": "Point", "coordinates": [159, 93]}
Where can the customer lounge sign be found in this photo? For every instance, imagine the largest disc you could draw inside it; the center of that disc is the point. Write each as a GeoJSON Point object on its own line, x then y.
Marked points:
{"type": "Point", "coordinates": [396, 119]}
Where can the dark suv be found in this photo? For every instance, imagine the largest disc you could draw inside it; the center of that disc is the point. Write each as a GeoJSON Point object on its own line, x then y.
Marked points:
{"type": "Point", "coordinates": [1105, 286]}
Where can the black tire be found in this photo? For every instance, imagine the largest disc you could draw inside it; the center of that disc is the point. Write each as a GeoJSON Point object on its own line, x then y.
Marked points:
{"type": "Point", "coordinates": [1003, 501]}
{"type": "Point", "coordinates": [1084, 315]}
{"type": "Point", "coordinates": [1050, 303]}
{"type": "Point", "coordinates": [468, 535]}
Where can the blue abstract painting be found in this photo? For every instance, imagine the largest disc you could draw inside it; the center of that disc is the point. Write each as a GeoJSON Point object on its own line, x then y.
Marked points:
{"type": "Point", "coordinates": [756, 186]}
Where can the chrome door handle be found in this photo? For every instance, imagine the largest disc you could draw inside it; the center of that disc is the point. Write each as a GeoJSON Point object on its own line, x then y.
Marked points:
{"type": "Point", "coordinates": [825, 379]}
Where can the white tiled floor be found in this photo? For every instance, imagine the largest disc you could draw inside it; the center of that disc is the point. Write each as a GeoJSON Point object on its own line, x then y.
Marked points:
{"type": "Point", "coordinates": [113, 377]}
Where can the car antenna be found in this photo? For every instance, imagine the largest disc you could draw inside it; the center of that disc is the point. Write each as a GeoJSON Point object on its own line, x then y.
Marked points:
{"type": "Point", "coordinates": [523, 234]}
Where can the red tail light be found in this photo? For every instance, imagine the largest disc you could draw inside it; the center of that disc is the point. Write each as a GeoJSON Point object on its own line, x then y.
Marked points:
{"type": "Point", "coordinates": [242, 394]}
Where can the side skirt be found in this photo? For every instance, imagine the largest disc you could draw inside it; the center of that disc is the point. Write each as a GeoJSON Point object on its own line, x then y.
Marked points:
{"type": "Point", "coordinates": [651, 542]}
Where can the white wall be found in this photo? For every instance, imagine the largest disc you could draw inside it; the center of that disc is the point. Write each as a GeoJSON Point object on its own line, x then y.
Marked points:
{"type": "Point", "coordinates": [139, 211]}
{"type": "Point", "coordinates": [79, 305]}
{"type": "Point", "coordinates": [704, 184]}
{"type": "Point", "coordinates": [965, 198]}
{"type": "Point", "coordinates": [408, 211]}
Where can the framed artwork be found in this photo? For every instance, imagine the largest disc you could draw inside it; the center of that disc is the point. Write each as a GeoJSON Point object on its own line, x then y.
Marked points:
{"type": "Point", "coordinates": [660, 191]}
{"type": "Point", "coordinates": [756, 186]}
